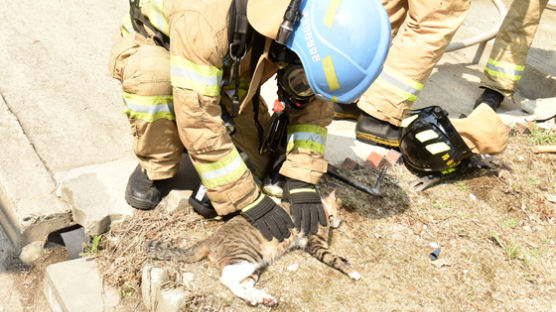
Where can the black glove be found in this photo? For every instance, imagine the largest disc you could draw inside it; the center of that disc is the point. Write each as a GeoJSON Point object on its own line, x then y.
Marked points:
{"type": "Point", "coordinates": [269, 218]}
{"type": "Point", "coordinates": [306, 205]}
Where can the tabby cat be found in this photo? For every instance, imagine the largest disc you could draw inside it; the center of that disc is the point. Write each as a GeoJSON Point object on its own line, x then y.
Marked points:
{"type": "Point", "coordinates": [241, 252]}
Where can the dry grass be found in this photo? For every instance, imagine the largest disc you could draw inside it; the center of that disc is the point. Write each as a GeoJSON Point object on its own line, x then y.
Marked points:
{"type": "Point", "coordinates": [496, 234]}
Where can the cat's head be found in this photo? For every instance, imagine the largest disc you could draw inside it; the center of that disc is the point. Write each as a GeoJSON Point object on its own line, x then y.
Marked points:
{"type": "Point", "coordinates": [331, 206]}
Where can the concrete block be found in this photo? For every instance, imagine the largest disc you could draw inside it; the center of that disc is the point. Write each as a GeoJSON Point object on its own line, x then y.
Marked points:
{"type": "Point", "coordinates": [393, 157]}
{"type": "Point", "coordinates": [152, 279]}
{"type": "Point", "coordinates": [349, 164]}
{"type": "Point", "coordinates": [96, 193]}
{"type": "Point", "coordinates": [82, 290]}
{"type": "Point", "coordinates": [178, 201]}
{"type": "Point", "coordinates": [375, 160]}
{"type": "Point", "coordinates": [29, 208]}
{"type": "Point", "coordinates": [171, 300]}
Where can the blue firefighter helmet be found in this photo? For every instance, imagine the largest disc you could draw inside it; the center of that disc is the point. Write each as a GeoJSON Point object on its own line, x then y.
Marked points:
{"type": "Point", "coordinates": [342, 44]}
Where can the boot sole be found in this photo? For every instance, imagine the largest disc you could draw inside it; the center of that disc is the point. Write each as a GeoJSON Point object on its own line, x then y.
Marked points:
{"type": "Point", "coordinates": [373, 139]}
{"type": "Point", "coordinates": [139, 204]}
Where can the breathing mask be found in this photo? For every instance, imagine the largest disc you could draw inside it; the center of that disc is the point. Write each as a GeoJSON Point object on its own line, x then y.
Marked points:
{"type": "Point", "coordinates": [293, 85]}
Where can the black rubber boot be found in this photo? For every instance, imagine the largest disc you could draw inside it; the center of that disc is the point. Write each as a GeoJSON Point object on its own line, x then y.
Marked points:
{"type": "Point", "coordinates": [375, 131]}
{"type": "Point", "coordinates": [346, 111]}
{"type": "Point", "coordinates": [491, 98]}
{"type": "Point", "coordinates": [142, 192]}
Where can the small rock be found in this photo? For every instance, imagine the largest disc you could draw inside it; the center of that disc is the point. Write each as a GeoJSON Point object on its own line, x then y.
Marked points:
{"type": "Point", "coordinates": [178, 200]}
{"type": "Point", "coordinates": [187, 279]}
{"type": "Point", "coordinates": [377, 235]}
{"type": "Point", "coordinates": [293, 267]}
{"type": "Point", "coordinates": [527, 228]}
{"type": "Point", "coordinates": [441, 262]}
{"type": "Point", "coordinates": [31, 252]}
{"type": "Point", "coordinates": [433, 245]}
{"type": "Point", "coordinates": [551, 198]}
{"type": "Point", "coordinates": [171, 300]}
{"type": "Point", "coordinates": [472, 196]}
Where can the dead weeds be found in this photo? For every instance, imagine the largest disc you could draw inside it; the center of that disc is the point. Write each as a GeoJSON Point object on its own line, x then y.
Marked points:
{"type": "Point", "coordinates": [496, 236]}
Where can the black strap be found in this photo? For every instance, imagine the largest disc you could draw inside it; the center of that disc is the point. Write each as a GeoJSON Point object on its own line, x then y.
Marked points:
{"type": "Point", "coordinates": [239, 32]}
{"type": "Point", "coordinates": [139, 21]}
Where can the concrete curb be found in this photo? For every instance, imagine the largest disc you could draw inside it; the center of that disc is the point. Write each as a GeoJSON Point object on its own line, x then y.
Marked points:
{"type": "Point", "coordinates": [82, 290]}
{"type": "Point", "coordinates": [29, 208]}
{"type": "Point", "coordinates": [96, 194]}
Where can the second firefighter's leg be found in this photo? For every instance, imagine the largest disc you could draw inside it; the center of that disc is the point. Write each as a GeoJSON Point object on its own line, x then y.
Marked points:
{"type": "Point", "coordinates": [428, 29]}
{"type": "Point", "coordinates": [508, 56]}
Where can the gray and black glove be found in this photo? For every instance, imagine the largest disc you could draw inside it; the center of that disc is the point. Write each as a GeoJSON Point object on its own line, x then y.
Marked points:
{"type": "Point", "coordinates": [269, 218]}
{"type": "Point", "coordinates": [306, 205]}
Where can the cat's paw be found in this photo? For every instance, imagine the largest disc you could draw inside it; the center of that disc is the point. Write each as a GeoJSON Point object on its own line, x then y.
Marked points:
{"type": "Point", "coordinates": [270, 301]}
{"type": "Point", "coordinates": [257, 296]}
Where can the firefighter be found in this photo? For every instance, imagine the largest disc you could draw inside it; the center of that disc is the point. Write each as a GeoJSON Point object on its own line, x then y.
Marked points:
{"type": "Point", "coordinates": [185, 64]}
{"type": "Point", "coordinates": [428, 28]}
{"type": "Point", "coordinates": [508, 56]}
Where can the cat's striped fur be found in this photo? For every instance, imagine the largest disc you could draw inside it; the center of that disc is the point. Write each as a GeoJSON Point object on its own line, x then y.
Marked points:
{"type": "Point", "coordinates": [240, 251]}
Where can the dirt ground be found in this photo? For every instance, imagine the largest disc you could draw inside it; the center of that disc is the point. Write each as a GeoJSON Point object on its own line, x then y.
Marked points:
{"type": "Point", "coordinates": [495, 232]}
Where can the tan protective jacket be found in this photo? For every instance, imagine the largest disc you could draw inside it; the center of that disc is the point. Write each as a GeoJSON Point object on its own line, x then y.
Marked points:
{"type": "Point", "coordinates": [508, 56]}
{"type": "Point", "coordinates": [198, 32]}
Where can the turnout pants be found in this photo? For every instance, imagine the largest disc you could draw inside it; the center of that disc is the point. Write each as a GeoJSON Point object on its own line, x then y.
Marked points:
{"type": "Point", "coordinates": [508, 57]}
{"type": "Point", "coordinates": [428, 28]}
{"type": "Point", "coordinates": [143, 69]}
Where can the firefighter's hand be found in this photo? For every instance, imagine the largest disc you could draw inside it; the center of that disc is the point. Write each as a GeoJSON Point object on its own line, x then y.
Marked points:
{"type": "Point", "coordinates": [269, 218]}
{"type": "Point", "coordinates": [306, 205]}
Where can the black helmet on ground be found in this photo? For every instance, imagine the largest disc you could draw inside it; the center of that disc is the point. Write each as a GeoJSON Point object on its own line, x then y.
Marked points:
{"type": "Point", "coordinates": [430, 143]}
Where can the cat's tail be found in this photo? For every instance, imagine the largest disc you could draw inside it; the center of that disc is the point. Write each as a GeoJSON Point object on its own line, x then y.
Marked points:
{"type": "Point", "coordinates": [164, 251]}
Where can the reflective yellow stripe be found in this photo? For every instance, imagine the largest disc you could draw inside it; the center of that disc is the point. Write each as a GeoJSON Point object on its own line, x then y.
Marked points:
{"type": "Point", "coordinates": [506, 65]}
{"type": "Point", "coordinates": [426, 135]}
{"type": "Point", "coordinates": [407, 121]}
{"type": "Point", "coordinates": [226, 170]}
{"type": "Point", "coordinates": [205, 79]}
{"type": "Point", "coordinates": [399, 84]}
{"type": "Point", "coordinates": [149, 108]}
{"type": "Point", "coordinates": [437, 148]}
{"type": "Point", "coordinates": [408, 82]}
{"type": "Point", "coordinates": [307, 136]}
{"type": "Point", "coordinates": [331, 12]}
{"type": "Point", "coordinates": [504, 70]}
{"type": "Point", "coordinates": [330, 73]}
{"type": "Point", "coordinates": [253, 204]}
{"type": "Point", "coordinates": [155, 13]}
{"type": "Point", "coordinates": [303, 190]}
